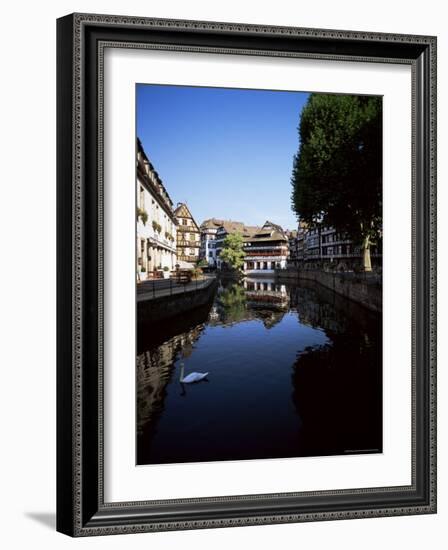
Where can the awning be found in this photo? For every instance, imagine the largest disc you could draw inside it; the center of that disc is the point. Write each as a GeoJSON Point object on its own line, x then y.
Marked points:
{"type": "Point", "coordinates": [184, 265]}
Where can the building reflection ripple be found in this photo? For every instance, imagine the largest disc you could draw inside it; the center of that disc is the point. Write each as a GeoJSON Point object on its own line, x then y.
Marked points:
{"type": "Point", "coordinates": [294, 371]}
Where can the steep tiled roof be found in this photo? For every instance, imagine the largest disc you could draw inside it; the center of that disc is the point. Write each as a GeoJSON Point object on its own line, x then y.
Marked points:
{"type": "Point", "coordinates": [250, 230]}
{"type": "Point", "coordinates": [212, 223]}
{"type": "Point", "coordinates": [239, 227]}
{"type": "Point", "coordinates": [269, 232]}
{"type": "Point", "coordinates": [273, 225]}
{"type": "Point", "coordinates": [232, 226]}
{"type": "Point", "coordinates": [182, 211]}
{"type": "Point", "coordinates": [147, 173]}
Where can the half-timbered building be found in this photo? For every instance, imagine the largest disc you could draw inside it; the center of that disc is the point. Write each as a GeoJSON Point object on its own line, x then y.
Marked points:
{"type": "Point", "coordinates": [266, 251]}
{"type": "Point", "coordinates": [188, 235]}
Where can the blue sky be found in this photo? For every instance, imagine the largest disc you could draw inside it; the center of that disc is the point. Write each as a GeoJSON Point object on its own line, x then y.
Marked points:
{"type": "Point", "coordinates": [227, 153]}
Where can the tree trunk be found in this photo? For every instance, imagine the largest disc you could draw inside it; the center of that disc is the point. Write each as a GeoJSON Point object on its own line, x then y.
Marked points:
{"type": "Point", "coordinates": [367, 264]}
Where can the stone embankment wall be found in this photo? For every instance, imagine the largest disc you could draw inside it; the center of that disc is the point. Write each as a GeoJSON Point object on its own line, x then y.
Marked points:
{"type": "Point", "coordinates": [169, 306]}
{"type": "Point", "coordinates": [364, 288]}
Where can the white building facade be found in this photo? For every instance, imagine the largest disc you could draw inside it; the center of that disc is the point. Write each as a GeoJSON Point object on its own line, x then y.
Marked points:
{"type": "Point", "coordinates": [156, 223]}
{"type": "Point", "coordinates": [266, 251]}
{"type": "Point", "coordinates": [209, 228]}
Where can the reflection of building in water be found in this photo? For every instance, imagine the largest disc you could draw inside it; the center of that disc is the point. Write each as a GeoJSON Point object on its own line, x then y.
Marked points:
{"type": "Point", "coordinates": [315, 312]}
{"type": "Point", "coordinates": [319, 307]}
{"type": "Point", "coordinates": [214, 315]}
{"type": "Point", "coordinates": [155, 369]}
{"type": "Point", "coordinates": [337, 387]}
{"type": "Point", "coordinates": [266, 293]}
{"type": "Point", "coordinates": [254, 299]}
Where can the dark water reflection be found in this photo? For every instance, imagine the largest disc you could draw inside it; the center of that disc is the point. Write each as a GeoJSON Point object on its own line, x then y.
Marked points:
{"type": "Point", "coordinates": [294, 371]}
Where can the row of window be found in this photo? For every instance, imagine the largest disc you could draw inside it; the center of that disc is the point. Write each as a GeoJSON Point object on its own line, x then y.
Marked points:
{"type": "Point", "coordinates": [186, 222]}
{"type": "Point", "coordinates": [313, 241]}
{"type": "Point", "coordinates": [190, 237]}
{"type": "Point", "coordinates": [262, 286]}
{"type": "Point", "coordinates": [333, 250]}
{"type": "Point", "coordinates": [142, 206]}
{"type": "Point", "coordinates": [333, 237]}
{"type": "Point", "coordinates": [262, 265]}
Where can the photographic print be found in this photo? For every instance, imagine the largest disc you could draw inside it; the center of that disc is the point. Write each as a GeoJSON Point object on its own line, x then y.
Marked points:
{"type": "Point", "coordinates": [258, 274]}
{"type": "Point", "coordinates": [246, 274]}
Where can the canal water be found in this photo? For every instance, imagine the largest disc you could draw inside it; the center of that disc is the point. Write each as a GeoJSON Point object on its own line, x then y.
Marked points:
{"type": "Point", "coordinates": [294, 370]}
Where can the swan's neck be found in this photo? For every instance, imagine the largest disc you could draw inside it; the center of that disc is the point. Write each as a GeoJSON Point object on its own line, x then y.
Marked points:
{"type": "Point", "coordinates": [182, 371]}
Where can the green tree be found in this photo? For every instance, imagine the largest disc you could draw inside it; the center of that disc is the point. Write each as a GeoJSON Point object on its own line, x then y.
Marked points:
{"type": "Point", "coordinates": [232, 252]}
{"type": "Point", "coordinates": [337, 172]}
{"type": "Point", "coordinates": [232, 304]}
{"type": "Point", "coordinates": [202, 263]}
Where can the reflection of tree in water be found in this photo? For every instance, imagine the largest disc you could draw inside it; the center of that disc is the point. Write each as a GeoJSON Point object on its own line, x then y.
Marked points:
{"type": "Point", "coordinates": [337, 390]}
{"type": "Point", "coordinates": [235, 304]}
{"type": "Point", "coordinates": [231, 304]}
{"type": "Point", "coordinates": [270, 318]}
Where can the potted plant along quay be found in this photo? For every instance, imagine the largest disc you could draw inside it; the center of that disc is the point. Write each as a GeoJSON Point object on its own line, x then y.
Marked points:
{"type": "Point", "coordinates": [163, 272]}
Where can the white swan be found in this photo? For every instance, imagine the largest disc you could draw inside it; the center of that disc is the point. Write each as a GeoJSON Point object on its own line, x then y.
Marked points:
{"type": "Point", "coordinates": [192, 377]}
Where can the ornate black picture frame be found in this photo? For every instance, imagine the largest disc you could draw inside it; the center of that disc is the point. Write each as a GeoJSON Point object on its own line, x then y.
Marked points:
{"type": "Point", "coordinates": [81, 509]}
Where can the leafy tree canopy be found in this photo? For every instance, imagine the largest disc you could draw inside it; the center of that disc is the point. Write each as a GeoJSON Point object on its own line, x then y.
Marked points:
{"type": "Point", "coordinates": [232, 252]}
{"type": "Point", "coordinates": [337, 172]}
